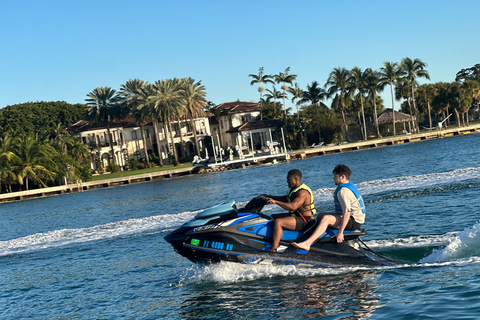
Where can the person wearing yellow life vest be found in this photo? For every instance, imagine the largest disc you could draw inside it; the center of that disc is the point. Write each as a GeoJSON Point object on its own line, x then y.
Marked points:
{"type": "Point", "coordinates": [349, 209]}
{"type": "Point", "coordinates": [299, 203]}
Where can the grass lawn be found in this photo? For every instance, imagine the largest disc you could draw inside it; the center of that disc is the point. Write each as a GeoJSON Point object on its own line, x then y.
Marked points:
{"type": "Point", "coordinates": [141, 171]}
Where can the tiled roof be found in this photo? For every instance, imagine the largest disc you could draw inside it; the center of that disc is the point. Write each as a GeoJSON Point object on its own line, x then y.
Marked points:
{"type": "Point", "coordinates": [85, 125]}
{"type": "Point", "coordinates": [239, 106]}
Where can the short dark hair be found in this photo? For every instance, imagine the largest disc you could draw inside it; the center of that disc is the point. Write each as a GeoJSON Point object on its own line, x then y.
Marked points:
{"type": "Point", "coordinates": [295, 173]}
{"type": "Point", "coordinates": [342, 169]}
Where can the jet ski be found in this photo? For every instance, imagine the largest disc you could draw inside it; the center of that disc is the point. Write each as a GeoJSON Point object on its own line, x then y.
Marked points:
{"type": "Point", "coordinates": [244, 235]}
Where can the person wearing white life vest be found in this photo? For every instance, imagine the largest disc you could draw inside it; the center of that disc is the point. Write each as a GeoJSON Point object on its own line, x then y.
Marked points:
{"type": "Point", "coordinates": [299, 203]}
{"type": "Point", "coordinates": [349, 209]}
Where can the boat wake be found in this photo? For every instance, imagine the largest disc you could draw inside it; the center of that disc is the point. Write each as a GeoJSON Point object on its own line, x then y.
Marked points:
{"type": "Point", "coordinates": [463, 245]}
{"type": "Point", "coordinates": [64, 237]}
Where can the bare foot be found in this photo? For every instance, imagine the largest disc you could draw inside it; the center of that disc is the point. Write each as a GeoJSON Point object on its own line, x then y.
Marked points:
{"type": "Point", "coordinates": [273, 250]}
{"type": "Point", "coordinates": [301, 245]}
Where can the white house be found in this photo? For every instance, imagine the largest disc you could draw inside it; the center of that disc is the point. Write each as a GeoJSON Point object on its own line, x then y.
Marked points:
{"type": "Point", "coordinates": [128, 143]}
{"type": "Point", "coordinates": [237, 127]}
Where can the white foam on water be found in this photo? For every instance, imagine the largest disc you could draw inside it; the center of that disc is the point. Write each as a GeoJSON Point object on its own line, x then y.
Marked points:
{"type": "Point", "coordinates": [412, 241]}
{"type": "Point", "coordinates": [231, 272]}
{"type": "Point", "coordinates": [63, 237]}
{"type": "Point", "coordinates": [419, 181]}
{"type": "Point", "coordinates": [464, 245]}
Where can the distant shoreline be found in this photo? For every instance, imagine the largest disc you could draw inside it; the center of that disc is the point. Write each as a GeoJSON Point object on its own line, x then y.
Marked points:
{"type": "Point", "coordinates": [298, 154]}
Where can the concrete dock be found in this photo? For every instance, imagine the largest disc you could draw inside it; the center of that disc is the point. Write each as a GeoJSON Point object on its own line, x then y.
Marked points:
{"type": "Point", "coordinates": [258, 160]}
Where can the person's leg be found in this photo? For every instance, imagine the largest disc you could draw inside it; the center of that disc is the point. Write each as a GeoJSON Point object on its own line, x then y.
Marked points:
{"type": "Point", "coordinates": [279, 225]}
{"type": "Point", "coordinates": [327, 220]}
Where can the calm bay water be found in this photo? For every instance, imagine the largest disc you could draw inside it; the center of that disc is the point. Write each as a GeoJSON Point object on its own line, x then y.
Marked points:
{"type": "Point", "coordinates": [101, 254]}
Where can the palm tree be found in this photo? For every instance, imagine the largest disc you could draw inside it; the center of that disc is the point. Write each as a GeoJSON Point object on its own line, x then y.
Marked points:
{"type": "Point", "coordinates": [80, 151]}
{"type": "Point", "coordinates": [414, 69]}
{"type": "Point", "coordinates": [260, 78]}
{"type": "Point", "coordinates": [374, 86]}
{"type": "Point", "coordinates": [147, 109]}
{"type": "Point", "coordinates": [390, 73]}
{"type": "Point", "coordinates": [297, 94]}
{"type": "Point", "coordinates": [274, 94]}
{"type": "Point", "coordinates": [31, 156]}
{"type": "Point", "coordinates": [314, 94]}
{"type": "Point", "coordinates": [443, 98]}
{"type": "Point", "coordinates": [402, 91]}
{"type": "Point", "coordinates": [358, 80]}
{"type": "Point", "coordinates": [103, 106]}
{"type": "Point", "coordinates": [427, 93]}
{"type": "Point", "coordinates": [133, 96]}
{"type": "Point", "coordinates": [7, 159]}
{"type": "Point", "coordinates": [168, 105]}
{"type": "Point", "coordinates": [470, 94]}
{"type": "Point", "coordinates": [194, 97]}
{"type": "Point", "coordinates": [338, 82]}
{"type": "Point", "coordinates": [284, 78]}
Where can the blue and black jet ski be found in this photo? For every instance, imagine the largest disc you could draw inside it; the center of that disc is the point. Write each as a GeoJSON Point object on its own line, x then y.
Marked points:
{"type": "Point", "coordinates": [244, 235]}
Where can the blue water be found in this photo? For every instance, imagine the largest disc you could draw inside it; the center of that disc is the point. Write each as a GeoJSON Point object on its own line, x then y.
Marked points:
{"type": "Point", "coordinates": [100, 254]}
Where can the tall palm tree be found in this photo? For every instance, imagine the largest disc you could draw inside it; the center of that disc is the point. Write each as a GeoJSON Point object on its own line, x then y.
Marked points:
{"type": "Point", "coordinates": [169, 105]}
{"type": "Point", "coordinates": [427, 93]}
{"type": "Point", "coordinates": [374, 86]}
{"type": "Point", "coordinates": [389, 74]}
{"type": "Point", "coordinates": [103, 106]}
{"type": "Point", "coordinates": [359, 81]}
{"type": "Point", "coordinates": [274, 94]}
{"type": "Point", "coordinates": [133, 96]}
{"type": "Point", "coordinates": [338, 82]}
{"type": "Point", "coordinates": [402, 91]}
{"type": "Point", "coordinates": [284, 78]}
{"type": "Point", "coordinates": [194, 97]}
{"type": "Point", "coordinates": [297, 94]}
{"type": "Point", "coordinates": [260, 78]}
{"type": "Point", "coordinates": [314, 94]}
{"type": "Point", "coordinates": [413, 70]}
{"type": "Point", "coordinates": [147, 109]}
{"type": "Point", "coordinates": [31, 157]}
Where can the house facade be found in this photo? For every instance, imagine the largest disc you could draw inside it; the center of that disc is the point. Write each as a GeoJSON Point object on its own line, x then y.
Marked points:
{"type": "Point", "coordinates": [236, 127]}
{"type": "Point", "coordinates": [128, 143]}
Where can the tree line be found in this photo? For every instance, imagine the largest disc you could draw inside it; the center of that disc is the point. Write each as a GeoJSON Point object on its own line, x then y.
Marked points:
{"type": "Point", "coordinates": [355, 97]}
{"type": "Point", "coordinates": [37, 151]}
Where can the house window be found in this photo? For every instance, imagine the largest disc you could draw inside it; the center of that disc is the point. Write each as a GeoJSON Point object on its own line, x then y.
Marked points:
{"type": "Point", "coordinates": [146, 134]}
{"type": "Point", "coordinates": [137, 156]}
{"type": "Point", "coordinates": [134, 135]}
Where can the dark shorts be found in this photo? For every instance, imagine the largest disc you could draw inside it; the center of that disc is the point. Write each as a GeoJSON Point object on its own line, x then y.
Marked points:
{"type": "Point", "coordinates": [352, 224]}
{"type": "Point", "coordinates": [299, 223]}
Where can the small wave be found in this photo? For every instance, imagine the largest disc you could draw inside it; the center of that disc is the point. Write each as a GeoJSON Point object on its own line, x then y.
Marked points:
{"type": "Point", "coordinates": [412, 242]}
{"type": "Point", "coordinates": [58, 238]}
{"type": "Point", "coordinates": [463, 245]}
{"type": "Point", "coordinates": [231, 272]}
{"type": "Point", "coordinates": [420, 181]}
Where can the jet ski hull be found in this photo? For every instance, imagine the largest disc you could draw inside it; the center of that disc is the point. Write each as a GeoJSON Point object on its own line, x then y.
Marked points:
{"type": "Point", "coordinates": [245, 237]}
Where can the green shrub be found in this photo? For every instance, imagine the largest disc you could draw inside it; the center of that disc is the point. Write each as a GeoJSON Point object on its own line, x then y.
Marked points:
{"type": "Point", "coordinates": [113, 168]}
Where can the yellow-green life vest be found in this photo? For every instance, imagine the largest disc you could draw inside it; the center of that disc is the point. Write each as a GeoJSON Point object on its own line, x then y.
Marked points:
{"type": "Point", "coordinates": [291, 196]}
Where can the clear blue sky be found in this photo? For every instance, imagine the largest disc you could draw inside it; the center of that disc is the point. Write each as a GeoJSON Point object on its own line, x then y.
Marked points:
{"type": "Point", "coordinates": [63, 49]}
